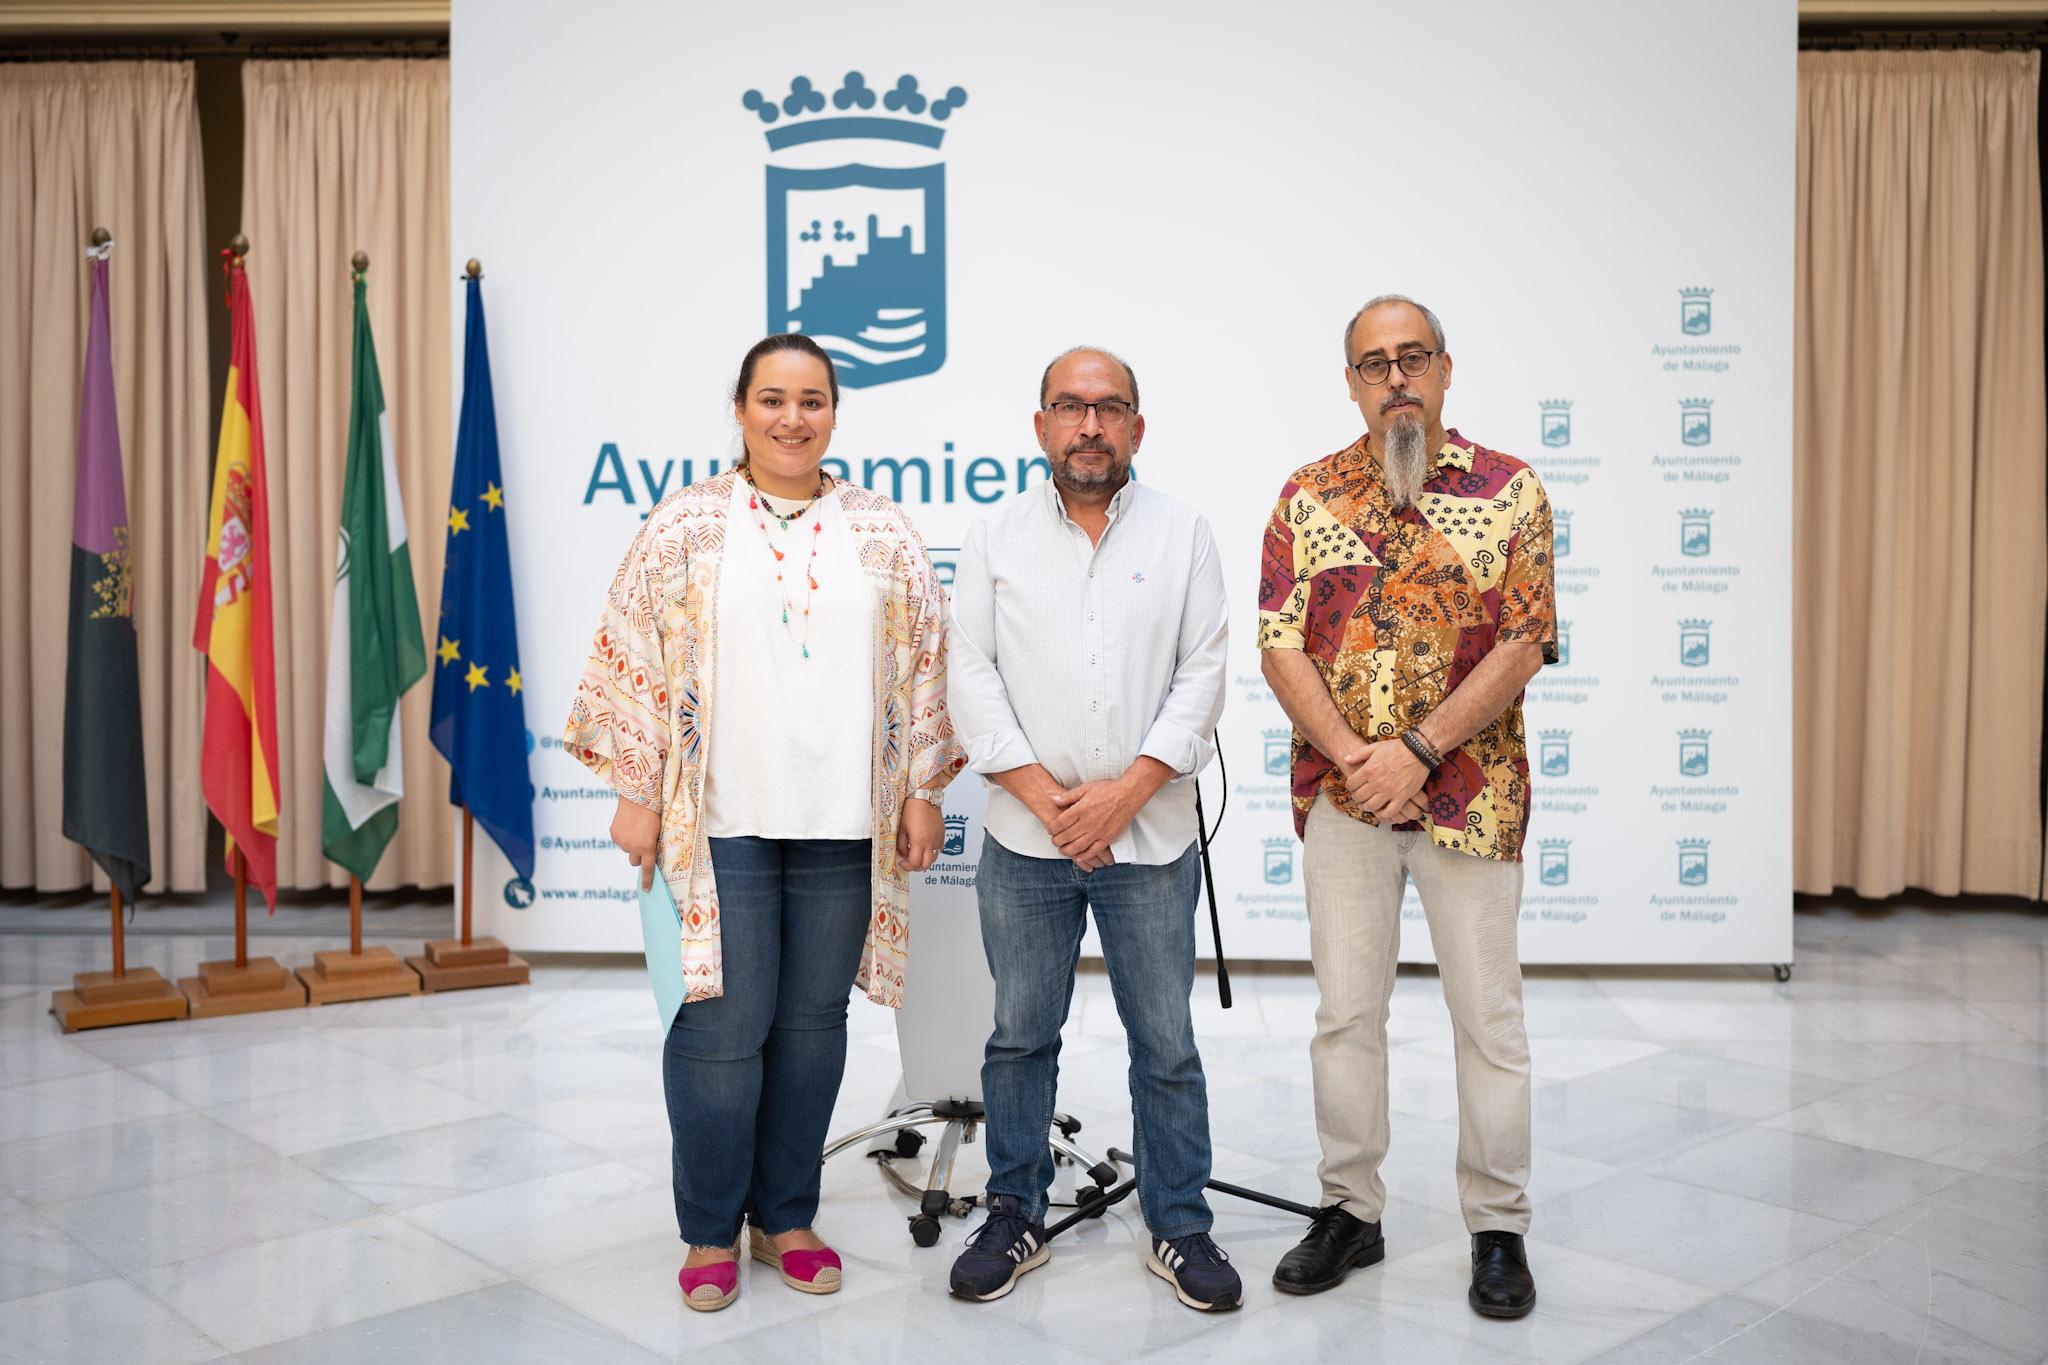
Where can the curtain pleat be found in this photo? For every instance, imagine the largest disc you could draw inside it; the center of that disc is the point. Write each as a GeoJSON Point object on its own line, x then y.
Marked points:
{"type": "Point", "coordinates": [1921, 567]}
{"type": "Point", "coordinates": [114, 145]}
{"type": "Point", "coordinates": [342, 156]}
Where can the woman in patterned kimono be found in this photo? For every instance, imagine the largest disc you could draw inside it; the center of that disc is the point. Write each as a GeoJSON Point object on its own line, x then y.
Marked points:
{"type": "Point", "coordinates": [767, 695]}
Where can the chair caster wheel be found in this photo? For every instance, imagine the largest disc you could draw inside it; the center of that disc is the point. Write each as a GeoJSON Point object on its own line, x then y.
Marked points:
{"type": "Point", "coordinates": [1086, 1195]}
{"type": "Point", "coordinates": [1068, 1127]}
{"type": "Point", "coordinates": [924, 1230]}
{"type": "Point", "coordinates": [909, 1142]}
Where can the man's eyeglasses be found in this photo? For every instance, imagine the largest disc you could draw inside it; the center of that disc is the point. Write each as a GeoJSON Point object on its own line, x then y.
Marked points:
{"type": "Point", "coordinates": [1071, 412]}
{"type": "Point", "coordinates": [1374, 369]}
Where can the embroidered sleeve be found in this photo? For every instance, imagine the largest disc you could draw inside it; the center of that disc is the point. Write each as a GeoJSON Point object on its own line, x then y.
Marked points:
{"type": "Point", "coordinates": [1528, 599]}
{"type": "Point", "coordinates": [936, 755]}
{"type": "Point", "coordinates": [1283, 579]}
{"type": "Point", "coordinates": [618, 725]}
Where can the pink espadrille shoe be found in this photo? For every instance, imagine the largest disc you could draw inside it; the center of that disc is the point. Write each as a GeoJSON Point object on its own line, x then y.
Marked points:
{"type": "Point", "coordinates": [813, 1272]}
{"type": "Point", "coordinates": [708, 1288]}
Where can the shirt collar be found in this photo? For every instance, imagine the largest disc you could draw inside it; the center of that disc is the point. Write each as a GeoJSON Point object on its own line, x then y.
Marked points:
{"type": "Point", "coordinates": [1119, 501]}
{"type": "Point", "coordinates": [1456, 451]}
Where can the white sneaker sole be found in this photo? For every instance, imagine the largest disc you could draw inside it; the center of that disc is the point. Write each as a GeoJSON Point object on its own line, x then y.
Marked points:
{"type": "Point", "coordinates": [1031, 1262]}
{"type": "Point", "coordinates": [1158, 1267]}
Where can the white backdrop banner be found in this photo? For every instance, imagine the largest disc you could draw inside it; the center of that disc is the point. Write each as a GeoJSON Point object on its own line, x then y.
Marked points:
{"type": "Point", "coordinates": [1596, 196]}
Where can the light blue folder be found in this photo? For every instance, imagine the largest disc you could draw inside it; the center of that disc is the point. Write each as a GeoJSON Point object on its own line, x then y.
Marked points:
{"type": "Point", "coordinates": [661, 932]}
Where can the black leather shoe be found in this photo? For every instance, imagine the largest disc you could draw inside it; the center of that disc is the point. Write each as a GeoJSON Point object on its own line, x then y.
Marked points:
{"type": "Point", "coordinates": [1336, 1243]}
{"type": "Point", "coordinates": [1502, 1286]}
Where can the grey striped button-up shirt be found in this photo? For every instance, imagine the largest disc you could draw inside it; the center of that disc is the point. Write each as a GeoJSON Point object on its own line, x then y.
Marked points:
{"type": "Point", "coordinates": [1084, 657]}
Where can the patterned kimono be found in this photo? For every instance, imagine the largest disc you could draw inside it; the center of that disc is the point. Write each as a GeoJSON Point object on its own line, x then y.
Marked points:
{"type": "Point", "coordinates": [644, 716]}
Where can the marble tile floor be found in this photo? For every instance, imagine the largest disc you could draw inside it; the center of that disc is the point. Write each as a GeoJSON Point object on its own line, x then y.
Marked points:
{"type": "Point", "coordinates": [1852, 1167]}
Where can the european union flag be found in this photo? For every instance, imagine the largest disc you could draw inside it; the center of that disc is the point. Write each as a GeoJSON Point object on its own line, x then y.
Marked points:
{"type": "Point", "coordinates": [479, 716]}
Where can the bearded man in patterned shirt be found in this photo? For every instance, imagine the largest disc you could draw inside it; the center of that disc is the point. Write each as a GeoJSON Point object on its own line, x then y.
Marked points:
{"type": "Point", "coordinates": [1405, 601]}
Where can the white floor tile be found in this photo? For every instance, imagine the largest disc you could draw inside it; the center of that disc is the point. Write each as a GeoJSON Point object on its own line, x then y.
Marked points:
{"type": "Point", "coordinates": [1702, 1236]}
{"type": "Point", "coordinates": [505, 1324]}
{"type": "Point", "coordinates": [426, 1164]}
{"type": "Point", "coordinates": [70, 1103]}
{"type": "Point", "coordinates": [1962, 1135]}
{"type": "Point", "coordinates": [36, 1257]}
{"type": "Point", "coordinates": [101, 1320]}
{"type": "Point", "coordinates": [1949, 1303]}
{"type": "Point", "coordinates": [197, 1215]}
{"type": "Point", "coordinates": [274, 1291]}
{"type": "Point", "coordinates": [331, 1115]}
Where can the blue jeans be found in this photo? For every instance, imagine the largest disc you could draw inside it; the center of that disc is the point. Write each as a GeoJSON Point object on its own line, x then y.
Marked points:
{"type": "Point", "coordinates": [752, 1074]}
{"type": "Point", "coordinates": [1033, 912]}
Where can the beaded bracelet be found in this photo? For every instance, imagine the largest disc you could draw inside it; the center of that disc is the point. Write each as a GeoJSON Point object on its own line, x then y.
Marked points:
{"type": "Point", "coordinates": [1423, 750]}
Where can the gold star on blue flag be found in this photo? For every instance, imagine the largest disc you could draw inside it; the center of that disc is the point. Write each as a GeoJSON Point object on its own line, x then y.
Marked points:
{"type": "Point", "coordinates": [479, 727]}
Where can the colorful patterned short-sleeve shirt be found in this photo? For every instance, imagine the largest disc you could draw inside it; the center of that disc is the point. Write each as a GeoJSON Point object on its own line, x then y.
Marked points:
{"type": "Point", "coordinates": [1396, 608]}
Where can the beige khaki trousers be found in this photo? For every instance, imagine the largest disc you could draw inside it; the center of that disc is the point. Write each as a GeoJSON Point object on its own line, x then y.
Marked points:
{"type": "Point", "coordinates": [1355, 874]}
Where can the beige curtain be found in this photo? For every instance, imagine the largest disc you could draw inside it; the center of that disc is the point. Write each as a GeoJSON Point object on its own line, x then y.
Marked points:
{"type": "Point", "coordinates": [1920, 576]}
{"type": "Point", "coordinates": [342, 156]}
{"type": "Point", "coordinates": [114, 145]}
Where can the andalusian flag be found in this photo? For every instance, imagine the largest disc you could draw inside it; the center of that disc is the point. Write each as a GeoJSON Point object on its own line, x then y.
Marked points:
{"type": "Point", "coordinates": [238, 755]}
{"type": "Point", "coordinates": [374, 650]}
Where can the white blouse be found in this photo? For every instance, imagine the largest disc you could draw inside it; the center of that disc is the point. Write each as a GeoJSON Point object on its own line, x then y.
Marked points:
{"type": "Point", "coordinates": [792, 759]}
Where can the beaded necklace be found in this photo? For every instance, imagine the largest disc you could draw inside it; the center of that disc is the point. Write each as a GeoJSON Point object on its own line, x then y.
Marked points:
{"type": "Point", "coordinates": [758, 503]}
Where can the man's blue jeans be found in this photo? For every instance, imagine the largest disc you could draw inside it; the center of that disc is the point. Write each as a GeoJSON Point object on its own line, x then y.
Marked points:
{"type": "Point", "coordinates": [1033, 912]}
{"type": "Point", "coordinates": [752, 1074]}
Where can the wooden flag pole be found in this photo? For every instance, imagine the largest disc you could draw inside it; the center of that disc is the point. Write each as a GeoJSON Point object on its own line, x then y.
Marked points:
{"type": "Point", "coordinates": [101, 999]}
{"type": "Point", "coordinates": [456, 964]}
{"type": "Point", "coordinates": [242, 985]}
{"type": "Point", "coordinates": [241, 911]}
{"type": "Point", "coordinates": [468, 866]}
{"type": "Point", "coordinates": [357, 974]}
{"type": "Point", "coordinates": [467, 961]}
{"type": "Point", "coordinates": [120, 944]}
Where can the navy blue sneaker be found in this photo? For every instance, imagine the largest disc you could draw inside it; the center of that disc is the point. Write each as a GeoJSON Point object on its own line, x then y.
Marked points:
{"type": "Point", "coordinates": [998, 1252]}
{"type": "Point", "coordinates": [1198, 1271]}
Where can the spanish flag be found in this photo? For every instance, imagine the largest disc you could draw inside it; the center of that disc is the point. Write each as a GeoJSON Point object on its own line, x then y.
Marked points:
{"type": "Point", "coordinates": [238, 763]}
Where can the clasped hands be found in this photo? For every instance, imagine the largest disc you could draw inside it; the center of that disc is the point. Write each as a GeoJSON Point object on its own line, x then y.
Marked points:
{"type": "Point", "coordinates": [1385, 780]}
{"type": "Point", "coordinates": [1085, 820]}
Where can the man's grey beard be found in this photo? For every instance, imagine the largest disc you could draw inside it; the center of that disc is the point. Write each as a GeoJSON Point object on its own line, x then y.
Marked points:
{"type": "Point", "coordinates": [1073, 480]}
{"type": "Point", "coordinates": [1404, 464]}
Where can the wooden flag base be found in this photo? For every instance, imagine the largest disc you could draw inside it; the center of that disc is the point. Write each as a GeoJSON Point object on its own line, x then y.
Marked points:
{"type": "Point", "coordinates": [104, 999]}
{"type": "Point", "coordinates": [371, 974]}
{"type": "Point", "coordinates": [450, 965]}
{"type": "Point", "coordinates": [224, 988]}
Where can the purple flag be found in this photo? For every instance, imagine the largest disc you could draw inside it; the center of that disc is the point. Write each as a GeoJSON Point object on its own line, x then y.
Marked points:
{"type": "Point", "coordinates": [106, 805]}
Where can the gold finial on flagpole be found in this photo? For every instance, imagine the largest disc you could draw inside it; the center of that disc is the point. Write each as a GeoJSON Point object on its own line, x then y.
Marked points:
{"type": "Point", "coordinates": [239, 245]}
{"type": "Point", "coordinates": [475, 269]}
{"type": "Point", "coordinates": [361, 261]}
{"type": "Point", "coordinates": [102, 237]}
